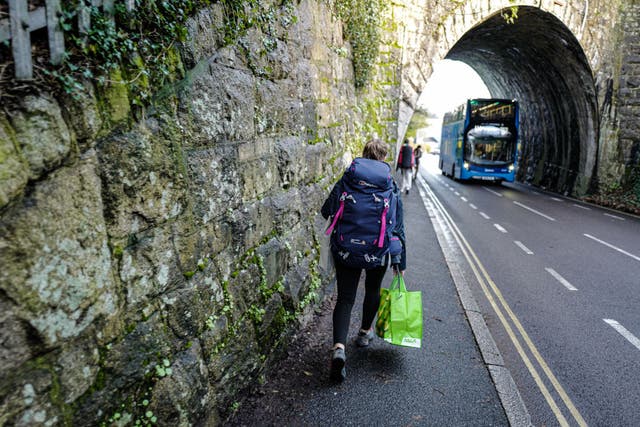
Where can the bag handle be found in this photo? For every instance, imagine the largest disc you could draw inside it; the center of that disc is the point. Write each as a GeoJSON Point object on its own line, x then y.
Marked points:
{"type": "Point", "coordinates": [398, 282]}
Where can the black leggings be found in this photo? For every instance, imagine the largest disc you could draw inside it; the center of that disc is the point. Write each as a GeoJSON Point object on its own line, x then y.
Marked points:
{"type": "Point", "coordinates": [347, 279]}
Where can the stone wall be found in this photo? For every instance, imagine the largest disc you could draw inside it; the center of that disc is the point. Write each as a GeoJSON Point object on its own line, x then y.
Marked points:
{"type": "Point", "coordinates": [620, 107]}
{"type": "Point", "coordinates": [154, 262]}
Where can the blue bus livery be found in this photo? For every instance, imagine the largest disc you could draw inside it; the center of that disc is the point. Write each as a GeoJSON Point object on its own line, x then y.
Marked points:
{"type": "Point", "coordinates": [480, 140]}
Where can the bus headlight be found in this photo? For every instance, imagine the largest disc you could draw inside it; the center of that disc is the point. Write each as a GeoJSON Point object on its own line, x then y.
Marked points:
{"type": "Point", "coordinates": [466, 165]}
{"type": "Point", "coordinates": [511, 168]}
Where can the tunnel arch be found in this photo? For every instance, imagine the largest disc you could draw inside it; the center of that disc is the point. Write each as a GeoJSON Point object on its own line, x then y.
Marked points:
{"type": "Point", "coordinates": [545, 60]}
{"type": "Point", "coordinates": [540, 63]}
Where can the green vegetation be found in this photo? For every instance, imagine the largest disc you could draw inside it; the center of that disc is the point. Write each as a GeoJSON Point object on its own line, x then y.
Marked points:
{"type": "Point", "coordinates": [142, 43]}
{"type": "Point", "coordinates": [362, 19]}
{"type": "Point", "coordinates": [420, 119]}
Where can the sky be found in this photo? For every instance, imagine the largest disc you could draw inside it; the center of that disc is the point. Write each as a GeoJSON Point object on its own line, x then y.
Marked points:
{"type": "Point", "coordinates": [450, 85]}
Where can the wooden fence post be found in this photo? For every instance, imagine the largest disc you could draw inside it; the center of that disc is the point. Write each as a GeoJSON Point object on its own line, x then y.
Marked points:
{"type": "Point", "coordinates": [56, 35]}
{"type": "Point", "coordinates": [20, 39]}
{"type": "Point", "coordinates": [109, 9]}
{"type": "Point", "coordinates": [84, 19]}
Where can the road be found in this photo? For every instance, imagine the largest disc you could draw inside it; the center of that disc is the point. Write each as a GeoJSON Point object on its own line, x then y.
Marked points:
{"type": "Point", "coordinates": [558, 284]}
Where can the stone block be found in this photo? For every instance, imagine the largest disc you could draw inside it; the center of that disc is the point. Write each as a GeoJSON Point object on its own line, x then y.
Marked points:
{"type": "Point", "coordinates": [77, 367]}
{"type": "Point", "coordinates": [275, 255]}
{"type": "Point", "coordinates": [291, 161]}
{"type": "Point", "coordinates": [143, 180]}
{"type": "Point", "coordinates": [83, 116]}
{"type": "Point", "coordinates": [150, 265]}
{"type": "Point", "coordinates": [187, 309]}
{"type": "Point", "coordinates": [15, 344]}
{"type": "Point", "coordinates": [218, 106]}
{"type": "Point", "coordinates": [276, 114]}
{"type": "Point", "coordinates": [259, 178]}
{"type": "Point", "coordinates": [184, 394]}
{"type": "Point", "coordinates": [14, 170]}
{"type": "Point", "coordinates": [26, 402]}
{"type": "Point", "coordinates": [205, 34]}
{"type": "Point", "coordinates": [214, 181]}
{"type": "Point", "coordinates": [56, 261]}
{"type": "Point", "coordinates": [42, 135]}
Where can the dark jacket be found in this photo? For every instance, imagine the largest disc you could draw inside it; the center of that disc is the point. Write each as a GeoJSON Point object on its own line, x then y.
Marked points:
{"type": "Point", "coordinates": [406, 159]}
{"type": "Point", "coordinates": [332, 203]}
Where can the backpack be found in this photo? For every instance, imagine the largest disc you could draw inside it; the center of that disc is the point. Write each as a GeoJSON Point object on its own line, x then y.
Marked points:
{"type": "Point", "coordinates": [407, 156]}
{"type": "Point", "coordinates": [362, 226]}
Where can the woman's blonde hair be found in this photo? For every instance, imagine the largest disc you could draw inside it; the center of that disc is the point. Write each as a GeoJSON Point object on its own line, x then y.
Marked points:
{"type": "Point", "coordinates": [375, 149]}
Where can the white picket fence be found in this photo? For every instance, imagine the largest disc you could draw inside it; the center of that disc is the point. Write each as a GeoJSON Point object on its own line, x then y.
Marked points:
{"type": "Point", "coordinates": [21, 22]}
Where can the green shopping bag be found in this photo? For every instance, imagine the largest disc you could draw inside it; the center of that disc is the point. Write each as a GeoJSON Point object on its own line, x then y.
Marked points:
{"type": "Point", "coordinates": [400, 315]}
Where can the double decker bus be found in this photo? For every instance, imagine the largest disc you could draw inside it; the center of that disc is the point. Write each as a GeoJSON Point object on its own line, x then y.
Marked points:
{"type": "Point", "coordinates": [480, 140]}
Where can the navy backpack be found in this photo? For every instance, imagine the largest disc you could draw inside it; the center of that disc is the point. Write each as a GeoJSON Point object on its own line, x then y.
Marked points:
{"type": "Point", "coordinates": [362, 226]}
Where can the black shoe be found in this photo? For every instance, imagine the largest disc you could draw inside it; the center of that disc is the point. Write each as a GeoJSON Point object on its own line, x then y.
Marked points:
{"type": "Point", "coordinates": [407, 192]}
{"type": "Point", "coordinates": [338, 358]}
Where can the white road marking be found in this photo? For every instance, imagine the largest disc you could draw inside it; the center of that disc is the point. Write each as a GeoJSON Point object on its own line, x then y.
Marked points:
{"type": "Point", "coordinates": [534, 211]}
{"type": "Point", "coordinates": [456, 193]}
{"type": "Point", "coordinates": [612, 247]}
{"type": "Point", "coordinates": [500, 228]}
{"type": "Point", "coordinates": [493, 192]}
{"type": "Point", "coordinates": [484, 215]}
{"type": "Point", "coordinates": [614, 217]}
{"type": "Point", "coordinates": [581, 207]}
{"type": "Point", "coordinates": [464, 199]}
{"type": "Point", "coordinates": [473, 206]}
{"type": "Point", "coordinates": [555, 199]}
{"type": "Point", "coordinates": [561, 279]}
{"type": "Point", "coordinates": [523, 247]}
{"type": "Point", "coordinates": [624, 332]}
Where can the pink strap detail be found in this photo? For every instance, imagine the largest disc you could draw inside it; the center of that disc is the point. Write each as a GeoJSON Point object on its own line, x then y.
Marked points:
{"type": "Point", "coordinates": [338, 215]}
{"type": "Point", "coordinates": [383, 226]}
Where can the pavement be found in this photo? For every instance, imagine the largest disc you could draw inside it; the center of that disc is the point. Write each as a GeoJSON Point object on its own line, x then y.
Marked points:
{"type": "Point", "coordinates": [455, 379]}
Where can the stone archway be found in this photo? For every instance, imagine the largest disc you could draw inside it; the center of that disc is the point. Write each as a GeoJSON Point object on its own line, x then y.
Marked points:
{"type": "Point", "coordinates": [539, 60]}
{"type": "Point", "coordinates": [540, 63]}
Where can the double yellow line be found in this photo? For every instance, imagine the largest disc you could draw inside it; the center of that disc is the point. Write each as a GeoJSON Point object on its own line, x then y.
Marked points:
{"type": "Point", "coordinates": [493, 293]}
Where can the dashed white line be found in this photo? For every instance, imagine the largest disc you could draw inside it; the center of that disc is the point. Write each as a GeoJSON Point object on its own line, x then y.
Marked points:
{"type": "Point", "coordinates": [523, 247]}
{"type": "Point", "coordinates": [555, 199]}
{"type": "Point", "coordinates": [581, 207]}
{"type": "Point", "coordinates": [484, 215]}
{"type": "Point", "coordinates": [624, 332]}
{"type": "Point", "coordinates": [456, 193]}
{"type": "Point", "coordinates": [472, 206]}
{"type": "Point", "coordinates": [493, 192]}
{"type": "Point", "coordinates": [500, 228]}
{"type": "Point", "coordinates": [622, 251]}
{"type": "Point", "coordinates": [534, 211]}
{"type": "Point", "coordinates": [614, 217]}
{"type": "Point", "coordinates": [561, 279]}
{"type": "Point", "coordinates": [464, 199]}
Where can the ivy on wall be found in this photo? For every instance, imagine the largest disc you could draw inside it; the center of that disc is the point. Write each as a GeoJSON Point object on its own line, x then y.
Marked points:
{"type": "Point", "coordinates": [138, 48]}
{"type": "Point", "coordinates": [362, 19]}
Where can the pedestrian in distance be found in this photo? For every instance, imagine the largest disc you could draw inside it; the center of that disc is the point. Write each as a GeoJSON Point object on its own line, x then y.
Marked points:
{"type": "Point", "coordinates": [406, 161]}
{"type": "Point", "coordinates": [367, 233]}
{"type": "Point", "coordinates": [417, 154]}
